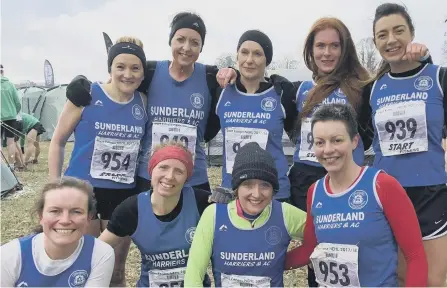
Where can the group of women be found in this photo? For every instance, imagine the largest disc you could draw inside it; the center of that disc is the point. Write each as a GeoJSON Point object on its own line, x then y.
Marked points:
{"type": "Point", "coordinates": [139, 143]}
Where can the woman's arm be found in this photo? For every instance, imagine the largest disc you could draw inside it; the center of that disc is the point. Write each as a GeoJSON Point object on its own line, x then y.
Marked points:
{"type": "Point", "coordinates": [201, 249]}
{"type": "Point", "coordinates": [11, 263]}
{"type": "Point", "coordinates": [403, 221]}
{"type": "Point", "coordinates": [103, 262]}
{"type": "Point", "coordinates": [68, 120]}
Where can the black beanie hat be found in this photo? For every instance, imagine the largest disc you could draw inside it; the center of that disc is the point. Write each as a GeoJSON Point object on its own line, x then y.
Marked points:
{"type": "Point", "coordinates": [190, 21]}
{"type": "Point", "coordinates": [260, 38]}
{"type": "Point", "coordinates": [253, 162]}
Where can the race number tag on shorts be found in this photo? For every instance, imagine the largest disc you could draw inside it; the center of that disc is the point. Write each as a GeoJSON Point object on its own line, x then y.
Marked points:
{"type": "Point", "coordinates": [114, 159]}
{"type": "Point", "coordinates": [244, 281]}
{"type": "Point", "coordinates": [167, 278]}
{"type": "Point", "coordinates": [336, 265]}
{"type": "Point", "coordinates": [307, 142]}
{"type": "Point", "coordinates": [236, 137]}
{"type": "Point", "coordinates": [163, 132]}
{"type": "Point", "coordinates": [402, 128]}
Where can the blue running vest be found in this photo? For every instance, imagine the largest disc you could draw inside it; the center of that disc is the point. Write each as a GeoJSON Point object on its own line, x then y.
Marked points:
{"type": "Point", "coordinates": [75, 276]}
{"type": "Point", "coordinates": [164, 246]}
{"type": "Point", "coordinates": [256, 257]}
{"type": "Point", "coordinates": [107, 141]}
{"type": "Point", "coordinates": [304, 147]}
{"type": "Point", "coordinates": [355, 217]}
{"type": "Point", "coordinates": [248, 118]}
{"type": "Point", "coordinates": [178, 111]}
{"type": "Point", "coordinates": [408, 117]}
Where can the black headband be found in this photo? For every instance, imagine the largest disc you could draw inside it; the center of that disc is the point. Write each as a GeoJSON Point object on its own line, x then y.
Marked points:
{"type": "Point", "coordinates": [126, 48]}
{"type": "Point", "coordinates": [190, 22]}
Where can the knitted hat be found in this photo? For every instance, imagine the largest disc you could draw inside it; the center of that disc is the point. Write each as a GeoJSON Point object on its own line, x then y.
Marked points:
{"type": "Point", "coordinates": [253, 162]}
{"type": "Point", "coordinates": [260, 38]}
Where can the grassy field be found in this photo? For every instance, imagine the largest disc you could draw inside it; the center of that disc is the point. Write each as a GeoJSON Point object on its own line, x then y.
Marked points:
{"type": "Point", "coordinates": [16, 218]}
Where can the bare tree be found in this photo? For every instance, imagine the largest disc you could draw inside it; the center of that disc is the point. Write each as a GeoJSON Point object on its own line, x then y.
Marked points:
{"type": "Point", "coordinates": [226, 60]}
{"type": "Point", "coordinates": [367, 54]}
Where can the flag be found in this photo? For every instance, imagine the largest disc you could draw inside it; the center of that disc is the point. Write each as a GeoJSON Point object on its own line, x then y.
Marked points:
{"type": "Point", "coordinates": [48, 73]}
{"type": "Point", "coordinates": [107, 41]}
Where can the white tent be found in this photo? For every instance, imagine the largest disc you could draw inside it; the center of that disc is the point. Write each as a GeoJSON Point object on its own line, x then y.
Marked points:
{"type": "Point", "coordinates": [46, 105]}
{"type": "Point", "coordinates": [9, 180]}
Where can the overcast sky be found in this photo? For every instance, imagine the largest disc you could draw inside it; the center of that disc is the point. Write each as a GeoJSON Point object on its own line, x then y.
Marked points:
{"type": "Point", "coordinates": [68, 32]}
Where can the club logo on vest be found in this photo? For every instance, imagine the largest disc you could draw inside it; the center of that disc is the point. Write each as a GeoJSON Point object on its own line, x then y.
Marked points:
{"type": "Point", "coordinates": [423, 83]}
{"type": "Point", "coordinates": [197, 100]}
{"type": "Point", "coordinates": [273, 235]}
{"type": "Point", "coordinates": [268, 104]}
{"type": "Point", "coordinates": [358, 199]}
{"type": "Point", "coordinates": [189, 235]}
{"type": "Point", "coordinates": [78, 278]}
{"type": "Point", "coordinates": [339, 93]}
{"type": "Point", "coordinates": [22, 284]}
{"type": "Point", "coordinates": [137, 112]}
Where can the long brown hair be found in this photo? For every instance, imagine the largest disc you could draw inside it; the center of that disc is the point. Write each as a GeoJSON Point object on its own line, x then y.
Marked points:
{"type": "Point", "coordinates": [349, 75]}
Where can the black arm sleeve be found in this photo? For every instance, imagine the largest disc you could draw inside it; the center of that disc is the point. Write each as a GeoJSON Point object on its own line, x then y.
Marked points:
{"type": "Point", "coordinates": [213, 124]}
{"type": "Point", "coordinates": [124, 220]}
{"type": "Point", "coordinates": [78, 91]}
{"type": "Point", "coordinates": [443, 82]}
{"type": "Point", "coordinates": [288, 100]}
{"type": "Point", "coordinates": [365, 125]}
{"type": "Point", "coordinates": [202, 199]}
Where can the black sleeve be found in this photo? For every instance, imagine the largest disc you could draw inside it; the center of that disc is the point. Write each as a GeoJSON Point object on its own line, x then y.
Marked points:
{"type": "Point", "coordinates": [365, 125]}
{"type": "Point", "coordinates": [213, 124]}
{"type": "Point", "coordinates": [124, 220]}
{"type": "Point", "coordinates": [202, 199]}
{"type": "Point", "coordinates": [148, 74]}
{"type": "Point", "coordinates": [288, 99]}
{"type": "Point", "coordinates": [443, 82]}
{"type": "Point", "coordinates": [78, 91]}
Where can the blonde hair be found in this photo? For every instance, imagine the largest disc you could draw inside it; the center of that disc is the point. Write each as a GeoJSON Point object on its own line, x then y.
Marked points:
{"type": "Point", "coordinates": [130, 39]}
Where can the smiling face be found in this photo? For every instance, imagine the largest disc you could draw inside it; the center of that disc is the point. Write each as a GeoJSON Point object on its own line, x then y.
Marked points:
{"type": "Point", "coordinates": [326, 50]}
{"type": "Point", "coordinates": [392, 34]}
{"type": "Point", "coordinates": [251, 60]}
{"type": "Point", "coordinates": [126, 73]}
{"type": "Point", "coordinates": [333, 145]}
{"type": "Point", "coordinates": [65, 216]}
{"type": "Point", "coordinates": [186, 46]}
{"type": "Point", "coordinates": [254, 195]}
{"type": "Point", "coordinates": [168, 177]}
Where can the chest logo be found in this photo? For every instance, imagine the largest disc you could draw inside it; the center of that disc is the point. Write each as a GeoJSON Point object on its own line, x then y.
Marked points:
{"type": "Point", "coordinates": [197, 100]}
{"type": "Point", "coordinates": [268, 104]}
{"type": "Point", "coordinates": [78, 278]}
{"type": "Point", "coordinates": [137, 112]}
{"type": "Point", "coordinates": [273, 235]}
{"type": "Point", "coordinates": [189, 235]}
{"type": "Point", "coordinates": [423, 83]}
{"type": "Point", "coordinates": [358, 199]}
{"type": "Point", "coordinates": [339, 93]}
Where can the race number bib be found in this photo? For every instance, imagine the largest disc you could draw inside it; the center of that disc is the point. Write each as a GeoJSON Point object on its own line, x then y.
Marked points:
{"type": "Point", "coordinates": [336, 265]}
{"type": "Point", "coordinates": [167, 278]}
{"type": "Point", "coordinates": [307, 142]}
{"type": "Point", "coordinates": [402, 128]}
{"type": "Point", "coordinates": [244, 281]}
{"type": "Point", "coordinates": [163, 132]}
{"type": "Point", "coordinates": [236, 137]}
{"type": "Point", "coordinates": [114, 159]}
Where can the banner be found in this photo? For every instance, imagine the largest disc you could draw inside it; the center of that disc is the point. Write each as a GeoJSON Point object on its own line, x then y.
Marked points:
{"type": "Point", "coordinates": [48, 74]}
{"type": "Point", "coordinates": [107, 41]}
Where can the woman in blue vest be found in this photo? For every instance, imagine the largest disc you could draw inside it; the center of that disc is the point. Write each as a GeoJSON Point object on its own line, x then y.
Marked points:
{"type": "Point", "coordinates": [108, 125]}
{"type": "Point", "coordinates": [162, 221]}
{"type": "Point", "coordinates": [357, 217]}
{"type": "Point", "coordinates": [246, 239]}
{"type": "Point", "coordinates": [181, 99]}
{"type": "Point", "coordinates": [256, 109]}
{"type": "Point", "coordinates": [59, 253]}
{"type": "Point", "coordinates": [408, 109]}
